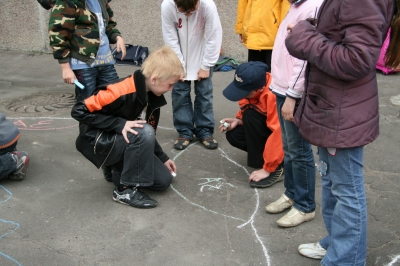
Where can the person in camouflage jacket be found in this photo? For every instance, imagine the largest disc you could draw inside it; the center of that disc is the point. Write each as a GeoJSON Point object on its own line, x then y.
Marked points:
{"type": "Point", "coordinates": [71, 16]}
{"type": "Point", "coordinates": [80, 32]}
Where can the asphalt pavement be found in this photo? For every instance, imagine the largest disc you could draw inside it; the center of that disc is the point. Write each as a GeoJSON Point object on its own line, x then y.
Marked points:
{"type": "Point", "coordinates": [63, 212]}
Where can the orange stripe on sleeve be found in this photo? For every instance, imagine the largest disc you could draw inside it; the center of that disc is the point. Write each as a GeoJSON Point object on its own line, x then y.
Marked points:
{"type": "Point", "coordinates": [11, 142]}
{"type": "Point", "coordinates": [112, 93]}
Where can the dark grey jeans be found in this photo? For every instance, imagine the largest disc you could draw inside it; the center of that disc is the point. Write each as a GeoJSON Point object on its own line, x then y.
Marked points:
{"type": "Point", "coordinates": [135, 164]}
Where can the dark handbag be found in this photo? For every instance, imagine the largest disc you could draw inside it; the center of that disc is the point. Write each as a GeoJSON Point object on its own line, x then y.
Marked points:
{"type": "Point", "coordinates": [46, 4]}
{"type": "Point", "coordinates": [135, 55]}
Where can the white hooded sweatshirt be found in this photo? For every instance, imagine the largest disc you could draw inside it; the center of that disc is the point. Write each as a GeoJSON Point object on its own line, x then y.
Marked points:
{"type": "Point", "coordinates": [196, 39]}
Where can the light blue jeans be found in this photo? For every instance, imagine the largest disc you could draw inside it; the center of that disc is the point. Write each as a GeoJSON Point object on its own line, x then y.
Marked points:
{"type": "Point", "coordinates": [344, 206]}
{"type": "Point", "coordinates": [197, 120]}
{"type": "Point", "coordinates": [93, 77]}
{"type": "Point", "coordinates": [299, 164]}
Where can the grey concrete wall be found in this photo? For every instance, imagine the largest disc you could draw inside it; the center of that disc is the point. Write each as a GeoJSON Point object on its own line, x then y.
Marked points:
{"type": "Point", "coordinates": [24, 25]}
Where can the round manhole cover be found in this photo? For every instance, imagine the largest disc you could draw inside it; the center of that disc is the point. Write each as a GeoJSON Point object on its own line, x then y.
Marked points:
{"type": "Point", "coordinates": [48, 103]}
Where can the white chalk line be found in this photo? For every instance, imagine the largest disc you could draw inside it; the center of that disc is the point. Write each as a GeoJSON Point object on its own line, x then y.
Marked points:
{"type": "Point", "coordinates": [394, 260]}
{"type": "Point", "coordinates": [192, 203]}
{"type": "Point", "coordinates": [251, 220]}
{"type": "Point", "coordinates": [232, 161]}
{"type": "Point", "coordinates": [202, 207]}
{"type": "Point", "coordinates": [212, 187]}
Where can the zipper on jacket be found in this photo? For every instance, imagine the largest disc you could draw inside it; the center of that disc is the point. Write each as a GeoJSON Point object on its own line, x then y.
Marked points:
{"type": "Point", "coordinates": [115, 138]}
{"type": "Point", "coordinates": [98, 27]}
{"type": "Point", "coordinates": [187, 43]}
{"type": "Point", "coordinates": [97, 140]}
{"type": "Point", "coordinates": [148, 120]}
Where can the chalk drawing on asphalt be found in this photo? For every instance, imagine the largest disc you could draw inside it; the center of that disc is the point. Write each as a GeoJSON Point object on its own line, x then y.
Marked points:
{"type": "Point", "coordinates": [394, 260]}
{"type": "Point", "coordinates": [14, 224]}
{"type": "Point", "coordinates": [213, 183]}
{"type": "Point", "coordinates": [44, 123]}
{"type": "Point", "coordinates": [244, 223]}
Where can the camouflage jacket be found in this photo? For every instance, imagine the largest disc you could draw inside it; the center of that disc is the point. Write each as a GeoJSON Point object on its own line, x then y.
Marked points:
{"type": "Point", "coordinates": [74, 30]}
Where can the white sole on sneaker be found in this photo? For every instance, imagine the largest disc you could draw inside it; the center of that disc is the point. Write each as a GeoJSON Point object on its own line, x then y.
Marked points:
{"type": "Point", "coordinates": [312, 251]}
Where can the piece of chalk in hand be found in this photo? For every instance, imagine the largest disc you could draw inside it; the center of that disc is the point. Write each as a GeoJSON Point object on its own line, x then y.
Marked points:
{"type": "Point", "coordinates": [173, 174]}
{"type": "Point", "coordinates": [77, 83]}
{"type": "Point", "coordinates": [225, 124]}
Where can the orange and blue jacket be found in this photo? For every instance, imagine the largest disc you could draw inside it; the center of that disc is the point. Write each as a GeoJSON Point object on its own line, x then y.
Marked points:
{"type": "Point", "coordinates": [265, 104]}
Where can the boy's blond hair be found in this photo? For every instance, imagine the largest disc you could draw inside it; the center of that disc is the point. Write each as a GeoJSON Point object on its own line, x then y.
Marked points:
{"type": "Point", "coordinates": [163, 63]}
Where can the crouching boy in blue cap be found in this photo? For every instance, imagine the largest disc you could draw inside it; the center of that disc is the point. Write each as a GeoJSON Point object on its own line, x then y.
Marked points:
{"type": "Point", "coordinates": [255, 129]}
{"type": "Point", "coordinates": [117, 127]}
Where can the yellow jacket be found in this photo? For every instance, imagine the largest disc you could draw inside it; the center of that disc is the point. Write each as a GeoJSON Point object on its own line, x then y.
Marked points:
{"type": "Point", "coordinates": [258, 22]}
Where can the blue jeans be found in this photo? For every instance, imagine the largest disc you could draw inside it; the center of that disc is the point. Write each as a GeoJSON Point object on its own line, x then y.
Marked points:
{"type": "Point", "coordinates": [93, 77]}
{"type": "Point", "coordinates": [299, 165]}
{"type": "Point", "coordinates": [135, 164]}
{"type": "Point", "coordinates": [344, 206]}
{"type": "Point", "coordinates": [7, 162]}
{"type": "Point", "coordinates": [189, 121]}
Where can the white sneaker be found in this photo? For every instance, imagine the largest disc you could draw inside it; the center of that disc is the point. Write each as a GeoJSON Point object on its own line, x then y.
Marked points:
{"type": "Point", "coordinates": [312, 250]}
{"type": "Point", "coordinates": [295, 217]}
{"type": "Point", "coordinates": [279, 205]}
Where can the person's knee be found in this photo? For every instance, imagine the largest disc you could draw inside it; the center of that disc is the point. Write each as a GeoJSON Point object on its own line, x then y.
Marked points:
{"type": "Point", "coordinates": [148, 131]}
{"type": "Point", "coordinates": [146, 134]}
{"type": "Point", "coordinates": [230, 137]}
{"type": "Point", "coordinates": [163, 184]}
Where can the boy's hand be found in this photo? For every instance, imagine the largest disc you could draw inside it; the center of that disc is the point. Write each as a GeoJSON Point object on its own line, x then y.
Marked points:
{"type": "Point", "coordinates": [258, 175]}
{"type": "Point", "coordinates": [170, 166]}
{"type": "Point", "coordinates": [203, 74]}
{"type": "Point", "coordinates": [288, 109]}
{"type": "Point", "coordinates": [240, 38]}
{"type": "Point", "coordinates": [233, 122]}
{"type": "Point", "coordinates": [128, 128]}
{"type": "Point", "coordinates": [121, 47]}
{"type": "Point", "coordinates": [67, 74]}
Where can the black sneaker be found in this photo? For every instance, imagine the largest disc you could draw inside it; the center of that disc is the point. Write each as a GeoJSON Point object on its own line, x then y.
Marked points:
{"type": "Point", "coordinates": [273, 178]}
{"type": "Point", "coordinates": [210, 143]}
{"type": "Point", "coordinates": [134, 197]}
{"type": "Point", "coordinates": [22, 161]}
{"type": "Point", "coordinates": [181, 143]}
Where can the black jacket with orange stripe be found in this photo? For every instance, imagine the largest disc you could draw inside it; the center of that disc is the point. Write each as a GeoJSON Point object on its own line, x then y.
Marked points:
{"type": "Point", "coordinates": [103, 115]}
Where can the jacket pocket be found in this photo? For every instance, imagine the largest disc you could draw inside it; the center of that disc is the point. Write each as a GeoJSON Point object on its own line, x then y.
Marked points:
{"type": "Point", "coordinates": [319, 102]}
{"type": "Point", "coordinates": [320, 112]}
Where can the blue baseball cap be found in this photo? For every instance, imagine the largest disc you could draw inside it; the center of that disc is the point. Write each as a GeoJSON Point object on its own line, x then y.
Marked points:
{"type": "Point", "coordinates": [248, 77]}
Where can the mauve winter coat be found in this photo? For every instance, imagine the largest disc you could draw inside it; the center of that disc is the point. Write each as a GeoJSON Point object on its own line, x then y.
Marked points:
{"type": "Point", "coordinates": [339, 108]}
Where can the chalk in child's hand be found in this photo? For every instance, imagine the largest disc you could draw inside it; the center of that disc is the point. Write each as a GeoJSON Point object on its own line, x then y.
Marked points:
{"type": "Point", "coordinates": [173, 174]}
{"type": "Point", "coordinates": [226, 124]}
{"type": "Point", "coordinates": [77, 83]}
